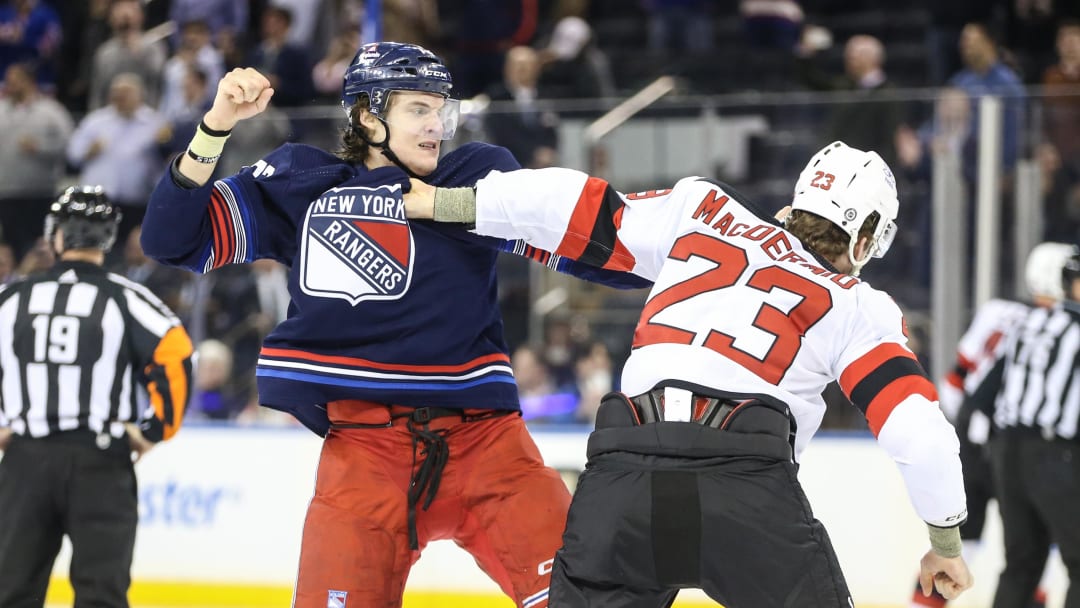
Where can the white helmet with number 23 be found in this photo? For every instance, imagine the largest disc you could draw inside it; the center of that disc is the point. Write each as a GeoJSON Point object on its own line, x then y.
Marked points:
{"type": "Point", "coordinates": [845, 186]}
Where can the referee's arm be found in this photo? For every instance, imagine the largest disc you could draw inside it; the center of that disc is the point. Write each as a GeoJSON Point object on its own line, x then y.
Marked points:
{"type": "Point", "coordinates": [164, 350]}
{"type": "Point", "coordinates": [169, 384]}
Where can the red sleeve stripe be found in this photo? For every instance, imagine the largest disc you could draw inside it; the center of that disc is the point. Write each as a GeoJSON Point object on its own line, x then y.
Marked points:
{"type": "Point", "coordinates": [592, 236]}
{"type": "Point", "coordinates": [621, 259]}
{"type": "Point", "coordinates": [580, 229]}
{"type": "Point", "coordinates": [867, 390]}
{"type": "Point", "coordinates": [859, 369]}
{"type": "Point", "coordinates": [992, 342]}
{"type": "Point", "coordinates": [955, 380]}
{"type": "Point", "coordinates": [964, 363]}
{"type": "Point", "coordinates": [896, 391]}
{"type": "Point", "coordinates": [224, 235]}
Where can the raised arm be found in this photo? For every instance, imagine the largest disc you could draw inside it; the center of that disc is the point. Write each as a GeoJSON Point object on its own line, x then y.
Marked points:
{"type": "Point", "coordinates": [198, 225]}
{"type": "Point", "coordinates": [241, 94]}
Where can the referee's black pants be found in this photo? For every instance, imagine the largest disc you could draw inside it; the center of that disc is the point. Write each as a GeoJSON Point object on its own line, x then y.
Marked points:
{"type": "Point", "coordinates": [1038, 492]}
{"type": "Point", "coordinates": [672, 505]}
{"type": "Point", "coordinates": [64, 484]}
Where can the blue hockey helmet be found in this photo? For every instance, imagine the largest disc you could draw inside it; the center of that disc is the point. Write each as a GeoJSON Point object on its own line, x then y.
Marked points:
{"type": "Point", "coordinates": [382, 67]}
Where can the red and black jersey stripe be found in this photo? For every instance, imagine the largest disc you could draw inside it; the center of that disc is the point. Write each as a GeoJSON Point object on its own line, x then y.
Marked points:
{"type": "Point", "coordinates": [879, 380]}
{"type": "Point", "coordinates": [224, 231]}
{"type": "Point", "coordinates": [592, 235]}
{"type": "Point", "coordinates": [537, 255]}
{"type": "Point", "coordinates": [956, 376]}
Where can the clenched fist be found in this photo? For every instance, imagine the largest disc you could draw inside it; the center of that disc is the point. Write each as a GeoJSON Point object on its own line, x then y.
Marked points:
{"type": "Point", "coordinates": [949, 574]}
{"type": "Point", "coordinates": [241, 94]}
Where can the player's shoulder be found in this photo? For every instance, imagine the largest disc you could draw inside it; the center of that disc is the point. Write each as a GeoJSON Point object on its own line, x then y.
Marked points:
{"type": "Point", "coordinates": [125, 283]}
{"type": "Point", "coordinates": [874, 305]}
{"type": "Point", "coordinates": [998, 315]}
{"type": "Point", "coordinates": [1001, 308]}
{"type": "Point", "coordinates": [730, 193]}
{"type": "Point", "coordinates": [696, 182]}
{"type": "Point", "coordinates": [467, 164]}
{"type": "Point", "coordinates": [7, 290]}
{"type": "Point", "coordinates": [127, 286]}
{"type": "Point", "coordinates": [500, 158]}
{"type": "Point", "coordinates": [293, 158]}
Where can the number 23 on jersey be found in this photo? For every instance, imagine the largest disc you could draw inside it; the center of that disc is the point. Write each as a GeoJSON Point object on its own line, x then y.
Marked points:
{"type": "Point", "coordinates": [731, 262]}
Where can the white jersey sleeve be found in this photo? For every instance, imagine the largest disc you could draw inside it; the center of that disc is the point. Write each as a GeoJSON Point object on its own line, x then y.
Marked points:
{"type": "Point", "coordinates": [882, 377]}
{"type": "Point", "coordinates": [579, 217]}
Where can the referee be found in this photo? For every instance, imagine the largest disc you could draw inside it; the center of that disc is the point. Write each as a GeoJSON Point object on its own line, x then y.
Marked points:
{"type": "Point", "coordinates": [1033, 395]}
{"type": "Point", "coordinates": [74, 343]}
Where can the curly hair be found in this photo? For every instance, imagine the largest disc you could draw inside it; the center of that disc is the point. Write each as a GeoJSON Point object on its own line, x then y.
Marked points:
{"type": "Point", "coordinates": [354, 148]}
{"type": "Point", "coordinates": [824, 237]}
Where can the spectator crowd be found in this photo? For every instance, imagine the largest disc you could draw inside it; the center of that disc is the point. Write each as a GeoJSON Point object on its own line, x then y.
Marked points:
{"type": "Point", "coordinates": [107, 91]}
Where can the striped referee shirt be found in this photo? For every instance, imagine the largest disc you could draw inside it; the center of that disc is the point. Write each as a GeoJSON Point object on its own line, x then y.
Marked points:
{"type": "Point", "coordinates": [1038, 376]}
{"type": "Point", "coordinates": [74, 344]}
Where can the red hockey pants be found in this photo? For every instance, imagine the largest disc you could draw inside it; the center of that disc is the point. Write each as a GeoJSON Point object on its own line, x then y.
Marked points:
{"type": "Point", "coordinates": [495, 499]}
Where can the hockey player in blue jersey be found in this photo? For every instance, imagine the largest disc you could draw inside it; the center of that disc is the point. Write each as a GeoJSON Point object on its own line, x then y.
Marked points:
{"type": "Point", "coordinates": [393, 346]}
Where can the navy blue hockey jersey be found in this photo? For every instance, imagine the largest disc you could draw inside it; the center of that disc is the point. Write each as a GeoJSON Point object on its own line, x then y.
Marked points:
{"type": "Point", "coordinates": [383, 309]}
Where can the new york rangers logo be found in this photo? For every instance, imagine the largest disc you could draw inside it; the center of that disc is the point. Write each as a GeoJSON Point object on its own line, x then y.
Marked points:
{"type": "Point", "coordinates": [357, 245]}
{"type": "Point", "coordinates": [336, 599]}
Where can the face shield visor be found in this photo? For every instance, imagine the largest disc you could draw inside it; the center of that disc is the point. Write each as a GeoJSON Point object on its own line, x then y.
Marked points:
{"type": "Point", "coordinates": [423, 115]}
{"type": "Point", "coordinates": [884, 240]}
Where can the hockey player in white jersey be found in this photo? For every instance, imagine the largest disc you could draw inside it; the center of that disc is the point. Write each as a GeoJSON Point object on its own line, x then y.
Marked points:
{"type": "Point", "coordinates": [691, 480]}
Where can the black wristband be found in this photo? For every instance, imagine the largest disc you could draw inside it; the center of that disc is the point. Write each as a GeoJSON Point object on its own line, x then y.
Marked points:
{"type": "Point", "coordinates": [213, 132]}
{"type": "Point", "coordinates": [206, 160]}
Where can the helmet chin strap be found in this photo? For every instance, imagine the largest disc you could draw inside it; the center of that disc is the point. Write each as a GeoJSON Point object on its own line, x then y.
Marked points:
{"type": "Point", "coordinates": [384, 147]}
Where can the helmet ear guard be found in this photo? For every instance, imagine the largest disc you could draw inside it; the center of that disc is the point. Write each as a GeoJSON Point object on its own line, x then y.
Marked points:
{"type": "Point", "coordinates": [847, 186]}
{"type": "Point", "coordinates": [86, 217]}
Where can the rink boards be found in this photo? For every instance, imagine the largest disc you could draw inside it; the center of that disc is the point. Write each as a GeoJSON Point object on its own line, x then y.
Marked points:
{"type": "Point", "coordinates": [221, 510]}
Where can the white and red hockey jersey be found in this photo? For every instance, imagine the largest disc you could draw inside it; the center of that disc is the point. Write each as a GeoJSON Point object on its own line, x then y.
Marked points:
{"type": "Point", "coordinates": [978, 350]}
{"type": "Point", "coordinates": [740, 305]}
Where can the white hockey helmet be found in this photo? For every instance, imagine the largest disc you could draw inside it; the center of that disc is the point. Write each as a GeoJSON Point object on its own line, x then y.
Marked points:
{"type": "Point", "coordinates": [1042, 273]}
{"type": "Point", "coordinates": [845, 186]}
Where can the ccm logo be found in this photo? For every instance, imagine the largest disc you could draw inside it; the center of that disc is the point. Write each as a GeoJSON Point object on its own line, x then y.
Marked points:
{"type": "Point", "coordinates": [545, 567]}
{"type": "Point", "coordinates": [963, 515]}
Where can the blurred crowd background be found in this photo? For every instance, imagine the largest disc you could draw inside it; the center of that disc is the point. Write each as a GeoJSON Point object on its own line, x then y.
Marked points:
{"type": "Point", "coordinates": [107, 91]}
